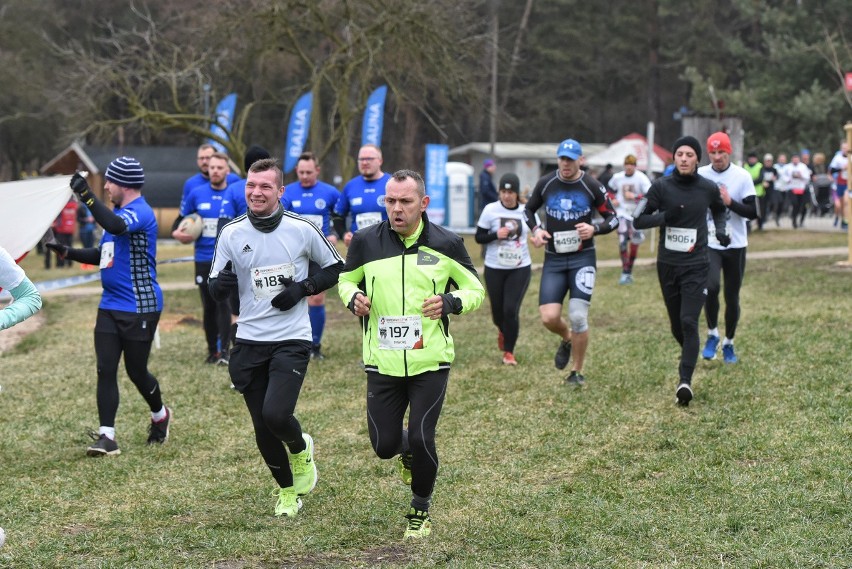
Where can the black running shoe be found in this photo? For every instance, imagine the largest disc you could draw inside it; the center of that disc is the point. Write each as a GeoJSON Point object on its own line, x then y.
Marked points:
{"type": "Point", "coordinates": [575, 378]}
{"type": "Point", "coordinates": [158, 431]}
{"type": "Point", "coordinates": [212, 358]}
{"type": "Point", "coordinates": [316, 354]}
{"type": "Point", "coordinates": [683, 394]}
{"type": "Point", "coordinates": [103, 446]}
{"type": "Point", "coordinates": [563, 354]}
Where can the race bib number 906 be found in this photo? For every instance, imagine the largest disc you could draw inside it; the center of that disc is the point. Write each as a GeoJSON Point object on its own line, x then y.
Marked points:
{"type": "Point", "coordinates": [681, 239]}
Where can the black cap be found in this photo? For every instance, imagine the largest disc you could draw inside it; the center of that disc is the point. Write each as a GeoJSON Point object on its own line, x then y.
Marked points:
{"type": "Point", "coordinates": [510, 182]}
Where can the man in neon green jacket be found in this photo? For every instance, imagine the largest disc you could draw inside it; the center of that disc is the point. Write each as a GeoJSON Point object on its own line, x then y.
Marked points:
{"type": "Point", "coordinates": [404, 277]}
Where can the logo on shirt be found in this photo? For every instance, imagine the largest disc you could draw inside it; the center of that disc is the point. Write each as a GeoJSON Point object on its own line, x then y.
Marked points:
{"type": "Point", "coordinates": [426, 258]}
{"type": "Point", "coordinates": [247, 248]}
{"type": "Point", "coordinates": [319, 203]}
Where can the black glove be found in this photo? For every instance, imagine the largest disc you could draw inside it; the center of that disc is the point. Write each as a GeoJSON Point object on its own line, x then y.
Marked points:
{"type": "Point", "coordinates": [671, 215]}
{"type": "Point", "coordinates": [82, 189]}
{"type": "Point", "coordinates": [723, 238]}
{"type": "Point", "coordinates": [60, 249]}
{"type": "Point", "coordinates": [290, 296]}
{"type": "Point", "coordinates": [227, 278]}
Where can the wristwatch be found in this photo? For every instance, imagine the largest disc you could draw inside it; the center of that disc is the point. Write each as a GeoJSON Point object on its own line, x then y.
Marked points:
{"type": "Point", "coordinates": [309, 287]}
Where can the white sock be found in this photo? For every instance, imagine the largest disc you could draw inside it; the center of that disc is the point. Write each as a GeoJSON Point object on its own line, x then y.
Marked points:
{"type": "Point", "coordinates": [727, 342]}
{"type": "Point", "coordinates": [159, 415]}
{"type": "Point", "coordinates": [713, 332]}
{"type": "Point", "coordinates": [108, 431]}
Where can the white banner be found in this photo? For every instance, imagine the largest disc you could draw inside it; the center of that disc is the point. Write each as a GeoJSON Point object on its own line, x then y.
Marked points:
{"type": "Point", "coordinates": [27, 210]}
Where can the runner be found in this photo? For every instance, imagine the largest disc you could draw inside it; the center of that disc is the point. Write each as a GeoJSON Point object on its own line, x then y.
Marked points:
{"type": "Point", "coordinates": [738, 194]}
{"type": "Point", "coordinates": [570, 198]}
{"type": "Point", "coordinates": [507, 262]}
{"type": "Point", "coordinates": [408, 349]}
{"type": "Point", "coordinates": [265, 255]}
{"type": "Point", "coordinates": [314, 200]}
{"type": "Point", "coordinates": [131, 302]}
{"type": "Point", "coordinates": [679, 204]}
{"type": "Point", "coordinates": [629, 186]}
{"type": "Point", "coordinates": [26, 300]}
{"type": "Point", "coordinates": [206, 200]}
{"type": "Point", "coordinates": [363, 196]}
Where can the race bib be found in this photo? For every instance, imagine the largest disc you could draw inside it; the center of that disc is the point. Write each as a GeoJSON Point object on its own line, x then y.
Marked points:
{"type": "Point", "coordinates": [567, 241]}
{"type": "Point", "coordinates": [400, 333]}
{"type": "Point", "coordinates": [315, 219]}
{"type": "Point", "coordinates": [681, 239]}
{"type": "Point", "coordinates": [509, 256]}
{"type": "Point", "coordinates": [367, 219]}
{"type": "Point", "coordinates": [267, 282]}
{"type": "Point", "coordinates": [211, 225]}
{"type": "Point", "coordinates": [107, 254]}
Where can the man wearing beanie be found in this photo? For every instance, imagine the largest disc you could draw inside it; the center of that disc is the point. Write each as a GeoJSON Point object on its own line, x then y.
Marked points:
{"type": "Point", "coordinates": [678, 205]}
{"type": "Point", "coordinates": [487, 190]}
{"type": "Point", "coordinates": [629, 186]}
{"type": "Point", "coordinates": [737, 190]}
{"type": "Point", "coordinates": [314, 200]}
{"type": "Point", "coordinates": [573, 202]}
{"type": "Point", "coordinates": [132, 300]}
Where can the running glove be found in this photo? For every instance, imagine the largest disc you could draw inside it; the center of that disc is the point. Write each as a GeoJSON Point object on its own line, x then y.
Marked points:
{"type": "Point", "coordinates": [723, 238]}
{"type": "Point", "coordinates": [227, 278]}
{"type": "Point", "coordinates": [61, 250]}
{"type": "Point", "coordinates": [81, 188]}
{"type": "Point", "coordinates": [288, 298]}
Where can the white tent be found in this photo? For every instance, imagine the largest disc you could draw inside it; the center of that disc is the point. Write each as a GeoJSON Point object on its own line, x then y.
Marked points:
{"type": "Point", "coordinates": [634, 144]}
{"type": "Point", "coordinates": [27, 210]}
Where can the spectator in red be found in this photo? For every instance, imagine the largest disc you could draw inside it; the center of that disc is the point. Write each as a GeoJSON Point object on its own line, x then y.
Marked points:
{"type": "Point", "coordinates": [64, 228]}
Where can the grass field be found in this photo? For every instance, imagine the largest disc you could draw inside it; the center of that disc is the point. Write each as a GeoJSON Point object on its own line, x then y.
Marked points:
{"type": "Point", "coordinates": [755, 473]}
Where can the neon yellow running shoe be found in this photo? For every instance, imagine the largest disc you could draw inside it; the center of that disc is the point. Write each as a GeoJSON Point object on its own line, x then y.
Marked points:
{"type": "Point", "coordinates": [403, 465]}
{"type": "Point", "coordinates": [419, 524]}
{"type": "Point", "coordinates": [304, 468]}
{"type": "Point", "coordinates": [288, 503]}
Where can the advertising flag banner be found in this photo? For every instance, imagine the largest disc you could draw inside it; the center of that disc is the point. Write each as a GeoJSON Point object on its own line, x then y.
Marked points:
{"type": "Point", "coordinates": [224, 120]}
{"type": "Point", "coordinates": [436, 182]}
{"type": "Point", "coordinates": [297, 132]}
{"type": "Point", "coordinates": [374, 116]}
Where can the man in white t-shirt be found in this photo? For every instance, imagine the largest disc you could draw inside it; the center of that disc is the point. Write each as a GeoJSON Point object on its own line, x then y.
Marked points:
{"type": "Point", "coordinates": [265, 254]}
{"type": "Point", "coordinates": [629, 186]}
{"type": "Point", "coordinates": [738, 195]}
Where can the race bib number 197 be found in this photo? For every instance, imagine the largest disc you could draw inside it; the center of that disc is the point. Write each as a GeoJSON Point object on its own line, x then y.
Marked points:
{"type": "Point", "coordinates": [400, 333]}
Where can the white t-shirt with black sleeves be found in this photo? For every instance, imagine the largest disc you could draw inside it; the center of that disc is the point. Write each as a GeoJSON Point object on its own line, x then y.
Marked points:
{"type": "Point", "coordinates": [740, 186]}
{"type": "Point", "coordinates": [262, 261]}
{"type": "Point", "coordinates": [512, 252]}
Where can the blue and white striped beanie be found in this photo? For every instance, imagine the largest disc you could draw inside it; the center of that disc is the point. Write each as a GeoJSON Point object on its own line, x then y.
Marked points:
{"type": "Point", "coordinates": [126, 172]}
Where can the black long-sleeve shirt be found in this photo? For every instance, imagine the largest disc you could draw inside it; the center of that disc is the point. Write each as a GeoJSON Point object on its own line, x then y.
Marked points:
{"type": "Point", "coordinates": [568, 203]}
{"type": "Point", "coordinates": [683, 239]}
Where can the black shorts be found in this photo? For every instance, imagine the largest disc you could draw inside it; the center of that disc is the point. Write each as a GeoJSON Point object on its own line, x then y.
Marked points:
{"type": "Point", "coordinates": [127, 325]}
{"type": "Point", "coordinates": [254, 366]}
{"type": "Point", "coordinates": [564, 272]}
